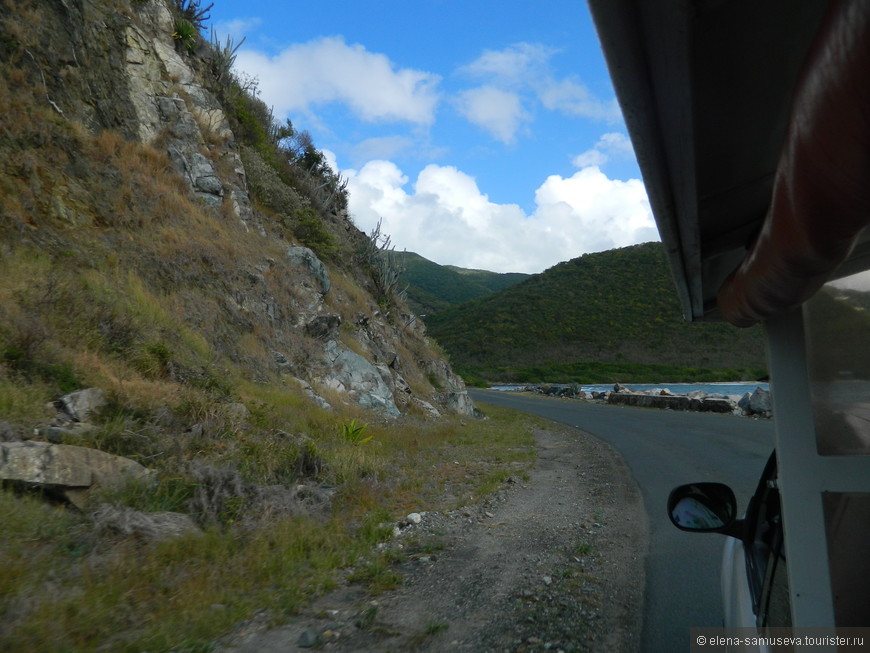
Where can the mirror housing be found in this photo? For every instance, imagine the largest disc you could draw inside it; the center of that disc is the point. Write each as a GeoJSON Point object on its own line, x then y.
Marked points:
{"type": "Point", "coordinates": [705, 508]}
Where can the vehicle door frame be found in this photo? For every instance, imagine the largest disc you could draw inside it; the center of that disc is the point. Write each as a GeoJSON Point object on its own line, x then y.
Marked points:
{"type": "Point", "coordinates": [804, 475]}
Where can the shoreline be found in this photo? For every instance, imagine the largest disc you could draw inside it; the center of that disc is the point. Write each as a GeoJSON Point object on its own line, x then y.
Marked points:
{"type": "Point", "coordinates": [755, 403]}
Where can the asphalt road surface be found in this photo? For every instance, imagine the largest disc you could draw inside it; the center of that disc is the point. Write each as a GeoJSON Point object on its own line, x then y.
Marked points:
{"type": "Point", "coordinates": [664, 449]}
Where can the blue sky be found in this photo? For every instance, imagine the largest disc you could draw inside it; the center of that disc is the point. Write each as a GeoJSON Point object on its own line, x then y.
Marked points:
{"type": "Point", "coordinates": [482, 134]}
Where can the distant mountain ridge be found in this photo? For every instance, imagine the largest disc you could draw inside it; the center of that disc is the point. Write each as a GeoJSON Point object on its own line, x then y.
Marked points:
{"type": "Point", "coordinates": [432, 287]}
{"type": "Point", "coordinates": [609, 316]}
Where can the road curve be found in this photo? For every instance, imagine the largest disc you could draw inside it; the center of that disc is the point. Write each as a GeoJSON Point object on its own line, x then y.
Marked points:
{"type": "Point", "coordinates": [664, 449]}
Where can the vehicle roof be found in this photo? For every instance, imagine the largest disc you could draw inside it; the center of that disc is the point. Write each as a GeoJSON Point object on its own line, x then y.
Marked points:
{"type": "Point", "coordinates": [706, 88]}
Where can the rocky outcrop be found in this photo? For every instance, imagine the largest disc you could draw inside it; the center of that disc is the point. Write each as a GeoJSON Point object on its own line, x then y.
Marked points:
{"type": "Point", "coordinates": [120, 70]}
{"type": "Point", "coordinates": [168, 100]}
{"type": "Point", "coordinates": [304, 258]}
{"type": "Point", "coordinates": [65, 470]}
{"type": "Point", "coordinates": [351, 373]}
{"type": "Point", "coordinates": [452, 395]}
{"type": "Point", "coordinates": [80, 405]}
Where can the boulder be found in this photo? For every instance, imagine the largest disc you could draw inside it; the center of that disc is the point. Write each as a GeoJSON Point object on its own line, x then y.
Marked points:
{"type": "Point", "coordinates": [8, 433]}
{"type": "Point", "coordinates": [65, 469]}
{"type": "Point", "coordinates": [759, 402]}
{"type": "Point", "coordinates": [307, 259]}
{"type": "Point", "coordinates": [351, 373]}
{"type": "Point", "coordinates": [458, 402]}
{"type": "Point", "coordinates": [81, 404]}
{"type": "Point", "coordinates": [675, 402]}
{"type": "Point", "coordinates": [716, 405]}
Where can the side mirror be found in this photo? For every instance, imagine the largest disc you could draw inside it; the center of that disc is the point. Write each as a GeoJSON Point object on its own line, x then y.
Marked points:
{"type": "Point", "coordinates": [704, 508]}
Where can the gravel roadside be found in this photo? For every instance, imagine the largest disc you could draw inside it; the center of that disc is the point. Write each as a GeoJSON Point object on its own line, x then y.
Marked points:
{"type": "Point", "coordinates": [551, 563]}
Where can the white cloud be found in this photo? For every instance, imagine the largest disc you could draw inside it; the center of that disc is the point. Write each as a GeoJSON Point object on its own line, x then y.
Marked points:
{"type": "Point", "coordinates": [515, 65]}
{"type": "Point", "coordinates": [328, 70]}
{"type": "Point", "coordinates": [571, 97]}
{"type": "Point", "coordinates": [593, 157]}
{"type": "Point", "coordinates": [447, 219]}
{"type": "Point", "coordinates": [523, 74]}
{"type": "Point", "coordinates": [496, 111]}
{"type": "Point", "coordinates": [609, 146]}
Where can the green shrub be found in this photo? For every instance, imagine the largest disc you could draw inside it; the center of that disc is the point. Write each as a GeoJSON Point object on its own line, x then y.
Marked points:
{"type": "Point", "coordinates": [170, 493]}
{"type": "Point", "coordinates": [354, 432]}
{"type": "Point", "coordinates": [191, 11]}
{"type": "Point", "coordinates": [266, 186]}
{"type": "Point", "coordinates": [186, 34]}
{"type": "Point", "coordinates": [309, 229]}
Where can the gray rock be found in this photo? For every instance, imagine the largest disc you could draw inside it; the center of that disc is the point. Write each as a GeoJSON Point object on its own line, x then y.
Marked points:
{"type": "Point", "coordinates": [305, 258]}
{"type": "Point", "coordinates": [458, 402]}
{"type": "Point", "coordinates": [760, 402]}
{"type": "Point", "coordinates": [65, 469]}
{"type": "Point", "coordinates": [148, 526]}
{"type": "Point", "coordinates": [81, 404]}
{"type": "Point", "coordinates": [316, 398]}
{"type": "Point", "coordinates": [676, 402]}
{"type": "Point", "coordinates": [310, 638]}
{"type": "Point", "coordinates": [716, 405]}
{"type": "Point", "coordinates": [57, 434]}
{"type": "Point", "coordinates": [202, 174]}
{"type": "Point", "coordinates": [7, 432]}
{"type": "Point", "coordinates": [323, 326]}
{"type": "Point", "coordinates": [351, 373]}
{"type": "Point", "coordinates": [426, 407]}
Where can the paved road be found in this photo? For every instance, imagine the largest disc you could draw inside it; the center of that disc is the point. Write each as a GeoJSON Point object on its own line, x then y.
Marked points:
{"type": "Point", "coordinates": [665, 449]}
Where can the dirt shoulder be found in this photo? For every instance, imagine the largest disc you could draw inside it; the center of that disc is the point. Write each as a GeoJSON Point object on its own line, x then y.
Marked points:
{"type": "Point", "coordinates": [554, 562]}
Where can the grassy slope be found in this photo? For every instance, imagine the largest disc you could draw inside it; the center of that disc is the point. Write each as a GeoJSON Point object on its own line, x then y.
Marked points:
{"type": "Point", "coordinates": [588, 319]}
{"type": "Point", "coordinates": [68, 585]}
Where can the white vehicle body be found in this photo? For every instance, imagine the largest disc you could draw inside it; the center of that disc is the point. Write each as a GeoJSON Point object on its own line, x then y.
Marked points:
{"type": "Point", "coordinates": [736, 597]}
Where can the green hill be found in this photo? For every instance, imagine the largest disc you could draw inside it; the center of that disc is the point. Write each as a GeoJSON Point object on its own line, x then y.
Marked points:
{"type": "Point", "coordinates": [432, 287]}
{"type": "Point", "coordinates": [604, 317]}
{"type": "Point", "coordinates": [492, 281]}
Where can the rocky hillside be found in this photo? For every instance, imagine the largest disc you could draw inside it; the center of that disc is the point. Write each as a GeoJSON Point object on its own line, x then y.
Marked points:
{"type": "Point", "coordinates": [162, 235]}
{"type": "Point", "coordinates": [210, 396]}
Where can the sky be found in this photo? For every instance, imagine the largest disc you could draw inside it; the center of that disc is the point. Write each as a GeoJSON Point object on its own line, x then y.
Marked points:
{"type": "Point", "coordinates": [480, 134]}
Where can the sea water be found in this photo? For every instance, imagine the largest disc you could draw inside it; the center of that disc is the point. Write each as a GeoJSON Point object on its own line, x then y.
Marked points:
{"type": "Point", "coordinates": [737, 388]}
